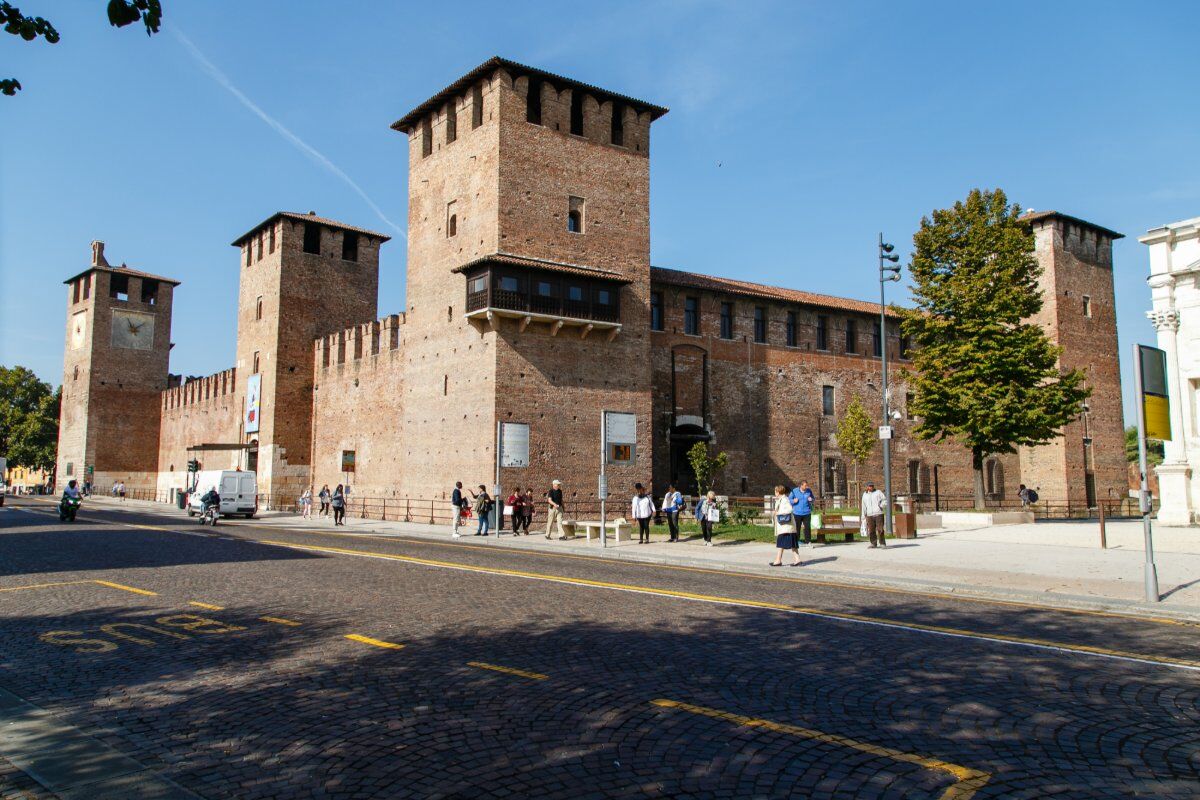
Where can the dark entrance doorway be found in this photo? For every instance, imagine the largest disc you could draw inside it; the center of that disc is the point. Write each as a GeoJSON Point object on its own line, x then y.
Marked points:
{"type": "Point", "coordinates": [252, 456]}
{"type": "Point", "coordinates": [683, 438]}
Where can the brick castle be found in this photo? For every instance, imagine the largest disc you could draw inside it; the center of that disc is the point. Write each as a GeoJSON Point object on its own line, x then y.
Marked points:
{"type": "Point", "coordinates": [531, 298]}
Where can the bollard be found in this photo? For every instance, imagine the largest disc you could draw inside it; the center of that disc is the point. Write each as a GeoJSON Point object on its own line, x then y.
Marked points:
{"type": "Point", "coordinates": [1103, 536]}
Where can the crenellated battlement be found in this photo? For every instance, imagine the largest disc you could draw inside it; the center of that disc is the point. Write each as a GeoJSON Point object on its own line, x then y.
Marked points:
{"type": "Point", "coordinates": [200, 390]}
{"type": "Point", "coordinates": [358, 342]}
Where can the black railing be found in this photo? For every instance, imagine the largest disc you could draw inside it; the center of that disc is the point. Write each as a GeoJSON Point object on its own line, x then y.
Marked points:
{"type": "Point", "coordinates": [540, 304]}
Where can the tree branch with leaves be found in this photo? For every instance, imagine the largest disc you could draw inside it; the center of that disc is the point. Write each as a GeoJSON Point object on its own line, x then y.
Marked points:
{"type": "Point", "coordinates": [706, 466]}
{"type": "Point", "coordinates": [856, 435]}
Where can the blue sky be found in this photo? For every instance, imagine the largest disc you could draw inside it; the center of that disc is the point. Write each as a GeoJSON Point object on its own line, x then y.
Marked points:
{"type": "Point", "coordinates": [797, 131]}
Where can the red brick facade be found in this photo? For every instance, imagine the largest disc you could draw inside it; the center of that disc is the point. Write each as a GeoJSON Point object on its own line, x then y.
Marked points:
{"type": "Point", "coordinates": [530, 298]}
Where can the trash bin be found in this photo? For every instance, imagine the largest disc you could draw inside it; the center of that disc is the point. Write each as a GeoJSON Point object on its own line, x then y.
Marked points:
{"type": "Point", "coordinates": [904, 525]}
{"type": "Point", "coordinates": [181, 499]}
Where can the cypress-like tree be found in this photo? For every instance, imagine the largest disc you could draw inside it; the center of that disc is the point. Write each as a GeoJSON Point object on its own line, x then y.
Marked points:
{"type": "Point", "coordinates": [983, 373]}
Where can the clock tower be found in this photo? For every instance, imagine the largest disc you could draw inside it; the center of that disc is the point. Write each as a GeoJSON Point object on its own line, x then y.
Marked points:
{"type": "Point", "coordinates": [115, 368]}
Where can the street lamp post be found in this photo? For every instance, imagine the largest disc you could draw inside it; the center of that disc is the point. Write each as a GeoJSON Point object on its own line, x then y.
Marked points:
{"type": "Point", "coordinates": [889, 270]}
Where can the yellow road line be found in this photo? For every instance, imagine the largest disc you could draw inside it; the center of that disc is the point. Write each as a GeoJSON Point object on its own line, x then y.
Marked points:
{"type": "Point", "coordinates": [354, 637]}
{"type": "Point", "coordinates": [280, 621]}
{"type": "Point", "coordinates": [125, 588]}
{"type": "Point", "coordinates": [1041, 644]}
{"type": "Point", "coordinates": [968, 781]}
{"type": "Point", "coordinates": [209, 606]}
{"type": "Point", "coordinates": [42, 585]}
{"type": "Point", "coordinates": [537, 676]}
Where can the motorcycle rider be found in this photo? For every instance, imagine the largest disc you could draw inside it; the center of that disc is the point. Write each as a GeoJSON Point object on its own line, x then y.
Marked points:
{"type": "Point", "coordinates": [211, 498]}
{"type": "Point", "coordinates": [71, 499]}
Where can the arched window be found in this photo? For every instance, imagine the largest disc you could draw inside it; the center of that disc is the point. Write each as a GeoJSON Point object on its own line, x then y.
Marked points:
{"type": "Point", "coordinates": [994, 477]}
{"type": "Point", "coordinates": [452, 225]}
{"type": "Point", "coordinates": [574, 222]}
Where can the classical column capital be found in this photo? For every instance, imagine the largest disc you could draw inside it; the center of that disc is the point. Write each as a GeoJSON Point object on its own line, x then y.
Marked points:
{"type": "Point", "coordinates": [1162, 279]}
{"type": "Point", "coordinates": [1164, 319]}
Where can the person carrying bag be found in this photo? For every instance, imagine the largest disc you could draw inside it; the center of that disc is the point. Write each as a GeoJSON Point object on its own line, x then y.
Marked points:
{"type": "Point", "coordinates": [785, 529]}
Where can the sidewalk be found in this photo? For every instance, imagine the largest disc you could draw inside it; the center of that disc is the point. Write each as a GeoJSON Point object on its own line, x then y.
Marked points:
{"type": "Point", "coordinates": [1056, 564]}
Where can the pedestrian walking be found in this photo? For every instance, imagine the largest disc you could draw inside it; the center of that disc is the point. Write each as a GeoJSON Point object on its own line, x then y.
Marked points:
{"type": "Point", "coordinates": [513, 507]}
{"type": "Point", "coordinates": [555, 509]}
{"type": "Point", "coordinates": [527, 510]}
{"type": "Point", "coordinates": [306, 503]}
{"type": "Point", "coordinates": [483, 510]}
{"type": "Point", "coordinates": [708, 514]}
{"type": "Point", "coordinates": [324, 497]}
{"type": "Point", "coordinates": [642, 511]}
{"type": "Point", "coordinates": [874, 503]}
{"type": "Point", "coordinates": [1028, 496]}
{"type": "Point", "coordinates": [338, 503]}
{"type": "Point", "coordinates": [672, 504]}
{"type": "Point", "coordinates": [458, 503]}
{"type": "Point", "coordinates": [785, 528]}
{"type": "Point", "coordinates": [121, 491]}
{"type": "Point", "coordinates": [802, 499]}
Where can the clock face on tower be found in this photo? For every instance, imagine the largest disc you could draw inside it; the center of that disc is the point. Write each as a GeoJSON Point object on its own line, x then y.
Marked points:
{"type": "Point", "coordinates": [132, 330]}
{"type": "Point", "coordinates": [78, 329]}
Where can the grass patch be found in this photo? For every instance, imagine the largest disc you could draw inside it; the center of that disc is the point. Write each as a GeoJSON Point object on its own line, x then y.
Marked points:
{"type": "Point", "coordinates": [733, 532]}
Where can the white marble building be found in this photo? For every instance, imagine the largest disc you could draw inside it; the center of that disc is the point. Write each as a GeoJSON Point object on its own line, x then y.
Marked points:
{"type": "Point", "coordinates": [1175, 288]}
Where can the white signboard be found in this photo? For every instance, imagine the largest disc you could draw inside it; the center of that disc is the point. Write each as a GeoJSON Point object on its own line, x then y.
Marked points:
{"type": "Point", "coordinates": [253, 402]}
{"type": "Point", "coordinates": [514, 444]}
{"type": "Point", "coordinates": [885, 431]}
{"type": "Point", "coordinates": [620, 437]}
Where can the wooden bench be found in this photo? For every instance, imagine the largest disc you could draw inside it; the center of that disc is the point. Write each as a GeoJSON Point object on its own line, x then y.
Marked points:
{"type": "Point", "coordinates": [618, 528]}
{"type": "Point", "coordinates": [834, 525]}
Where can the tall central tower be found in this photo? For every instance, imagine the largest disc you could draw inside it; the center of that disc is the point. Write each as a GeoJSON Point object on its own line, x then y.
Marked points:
{"type": "Point", "coordinates": [528, 273]}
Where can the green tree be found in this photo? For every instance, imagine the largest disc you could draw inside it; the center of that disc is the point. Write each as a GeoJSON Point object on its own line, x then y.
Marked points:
{"type": "Point", "coordinates": [1154, 448]}
{"type": "Point", "coordinates": [706, 466]}
{"type": "Point", "coordinates": [28, 419]}
{"type": "Point", "coordinates": [984, 374]}
{"type": "Point", "coordinates": [856, 435]}
{"type": "Point", "coordinates": [120, 14]}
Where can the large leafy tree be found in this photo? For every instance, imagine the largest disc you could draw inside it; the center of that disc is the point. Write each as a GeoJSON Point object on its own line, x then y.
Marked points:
{"type": "Point", "coordinates": [120, 14]}
{"type": "Point", "coordinates": [856, 435]}
{"type": "Point", "coordinates": [28, 419]}
{"type": "Point", "coordinates": [984, 374]}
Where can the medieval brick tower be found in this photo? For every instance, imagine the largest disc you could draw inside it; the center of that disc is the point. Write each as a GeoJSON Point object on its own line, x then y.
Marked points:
{"type": "Point", "coordinates": [528, 273]}
{"type": "Point", "coordinates": [1087, 463]}
{"type": "Point", "coordinates": [302, 277]}
{"type": "Point", "coordinates": [117, 348]}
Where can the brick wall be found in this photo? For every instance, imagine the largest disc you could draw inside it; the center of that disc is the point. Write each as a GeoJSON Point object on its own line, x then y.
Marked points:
{"type": "Point", "coordinates": [202, 410]}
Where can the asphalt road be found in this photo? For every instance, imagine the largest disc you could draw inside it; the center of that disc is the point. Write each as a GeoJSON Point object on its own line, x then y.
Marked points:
{"type": "Point", "coordinates": [253, 662]}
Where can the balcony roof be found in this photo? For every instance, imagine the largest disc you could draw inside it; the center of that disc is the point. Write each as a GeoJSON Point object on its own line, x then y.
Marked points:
{"type": "Point", "coordinates": [507, 259]}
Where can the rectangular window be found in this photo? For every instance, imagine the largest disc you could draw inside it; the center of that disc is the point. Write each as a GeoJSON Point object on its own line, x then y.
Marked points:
{"type": "Point", "coordinates": [118, 289]}
{"type": "Point", "coordinates": [70, 467]}
{"type": "Point", "coordinates": [905, 346]}
{"type": "Point", "coordinates": [604, 297]}
{"type": "Point", "coordinates": [312, 238]}
{"type": "Point", "coordinates": [545, 289]}
{"type": "Point", "coordinates": [851, 336]}
{"type": "Point", "coordinates": [914, 477]}
{"type": "Point", "coordinates": [349, 246]}
{"type": "Point", "coordinates": [76, 288]}
{"type": "Point", "coordinates": [691, 316]}
{"type": "Point", "coordinates": [877, 339]}
{"type": "Point", "coordinates": [258, 308]}
{"type": "Point", "coordinates": [577, 112]}
{"type": "Point", "coordinates": [477, 285]}
{"type": "Point", "coordinates": [827, 401]}
{"type": "Point", "coordinates": [261, 235]}
{"type": "Point", "coordinates": [791, 329]}
{"type": "Point", "coordinates": [256, 363]}
{"type": "Point", "coordinates": [249, 255]}
{"type": "Point", "coordinates": [426, 137]}
{"type": "Point", "coordinates": [509, 283]}
{"type": "Point", "coordinates": [726, 320]}
{"type": "Point", "coordinates": [656, 311]}
{"type": "Point", "coordinates": [822, 332]}
{"type": "Point", "coordinates": [87, 286]}
{"type": "Point", "coordinates": [1087, 306]}
{"type": "Point", "coordinates": [476, 106]}
{"type": "Point", "coordinates": [575, 209]}
{"type": "Point", "coordinates": [149, 291]}
{"type": "Point", "coordinates": [618, 124]}
{"type": "Point", "coordinates": [575, 293]}
{"type": "Point", "coordinates": [533, 102]}
{"type": "Point", "coordinates": [452, 218]}
{"type": "Point", "coordinates": [271, 239]}
{"type": "Point", "coordinates": [760, 324]}
{"type": "Point", "coordinates": [451, 121]}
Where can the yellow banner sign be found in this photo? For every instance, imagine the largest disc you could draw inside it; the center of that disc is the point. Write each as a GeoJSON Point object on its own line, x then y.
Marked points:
{"type": "Point", "coordinates": [1158, 417]}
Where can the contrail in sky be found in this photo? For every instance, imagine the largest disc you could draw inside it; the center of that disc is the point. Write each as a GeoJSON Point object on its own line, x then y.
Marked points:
{"type": "Point", "coordinates": [220, 77]}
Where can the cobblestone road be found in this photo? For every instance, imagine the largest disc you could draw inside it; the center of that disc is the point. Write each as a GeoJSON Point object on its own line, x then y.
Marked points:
{"type": "Point", "coordinates": [325, 666]}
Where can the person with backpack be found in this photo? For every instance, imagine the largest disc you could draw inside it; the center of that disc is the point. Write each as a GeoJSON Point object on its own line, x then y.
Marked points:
{"type": "Point", "coordinates": [324, 496]}
{"type": "Point", "coordinates": [1028, 496]}
{"type": "Point", "coordinates": [672, 504]}
{"type": "Point", "coordinates": [338, 501]}
{"type": "Point", "coordinates": [483, 510]}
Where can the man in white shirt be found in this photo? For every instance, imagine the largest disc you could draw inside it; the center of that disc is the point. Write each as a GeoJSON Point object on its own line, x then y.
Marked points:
{"type": "Point", "coordinates": [874, 502]}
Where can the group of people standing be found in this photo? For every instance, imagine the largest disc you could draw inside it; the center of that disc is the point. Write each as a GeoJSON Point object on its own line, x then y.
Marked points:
{"type": "Point", "coordinates": [334, 501]}
{"type": "Point", "coordinates": [519, 506]}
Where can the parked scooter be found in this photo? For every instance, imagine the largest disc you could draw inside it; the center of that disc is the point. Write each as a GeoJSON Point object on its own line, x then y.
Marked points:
{"type": "Point", "coordinates": [67, 508]}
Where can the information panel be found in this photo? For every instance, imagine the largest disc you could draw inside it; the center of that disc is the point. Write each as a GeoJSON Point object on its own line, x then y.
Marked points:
{"type": "Point", "coordinates": [514, 444]}
{"type": "Point", "coordinates": [620, 437]}
{"type": "Point", "coordinates": [1154, 393]}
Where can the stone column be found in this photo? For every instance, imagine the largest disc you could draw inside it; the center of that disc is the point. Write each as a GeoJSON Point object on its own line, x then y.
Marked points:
{"type": "Point", "coordinates": [1174, 474]}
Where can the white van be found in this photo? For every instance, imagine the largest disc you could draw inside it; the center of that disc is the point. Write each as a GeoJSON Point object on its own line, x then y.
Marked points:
{"type": "Point", "coordinates": [238, 490]}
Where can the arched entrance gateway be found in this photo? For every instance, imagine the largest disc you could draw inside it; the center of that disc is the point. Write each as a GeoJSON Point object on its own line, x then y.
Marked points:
{"type": "Point", "coordinates": [689, 411]}
{"type": "Point", "coordinates": [683, 438]}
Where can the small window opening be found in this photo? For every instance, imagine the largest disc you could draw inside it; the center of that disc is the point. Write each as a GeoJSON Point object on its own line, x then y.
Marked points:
{"type": "Point", "coordinates": [258, 308]}
{"type": "Point", "coordinates": [575, 293]}
{"type": "Point", "coordinates": [271, 239]}
{"type": "Point", "coordinates": [445, 385]}
{"type": "Point", "coordinates": [822, 332]}
{"type": "Point", "coordinates": [76, 289]}
{"type": "Point", "coordinates": [451, 121]}
{"type": "Point", "coordinates": [119, 288]}
{"type": "Point", "coordinates": [577, 112]}
{"type": "Point", "coordinates": [256, 363]}
{"type": "Point", "coordinates": [87, 286]}
{"type": "Point", "coordinates": [510, 283]}
{"type": "Point", "coordinates": [745, 486]}
{"type": "Point", "coordinates": [656, 311]}
{"type": "Point", "coordinates": [149, 291]}
{"type": "Point", "coordinates": [827, 401]}
{"type": "Point", "coordinates": [905, 346]}
{"type": "Point", "coordinates": [449, 313]}
{"type": "Point", "coordinates": [914, 476]}
{"type": "Point", "coordinates": [533, 102]}
{"type": "Point", "coordinates": [545, 289]}
{"type": "Point", "coordinates": [260, 245]}
{"type": "Point", "coordinates": [312, 238]}
{"type": "Point", "coordinates": [476, 106]}
{"type": "Point", "coordinates": [691, 316]}
{"type": "Point", "coordinates": [877, 339]}
{"type": "Point", "coordinates": [726, 320]}
{"type": "Point", "coordinates": [349, 246]}
{"type": "Point", "coordinates": [75, 373]}
{"type": "Point", "coordinates": [1087, 306]}
{"type": "Point", "coordinates": [618, 124]}
{"type": "Point", "coordinates": [760, 324]}
{"type": "Point", "coordinates": [575, 208]}
{"type": "Point", "coordinates": [451, 219]}
{"type": "Point", "coordinates": [791, 329]}
{"type": "Point", "coordinates": [851, 336]}
{"type": "Point", "coordinates": [426, 137]}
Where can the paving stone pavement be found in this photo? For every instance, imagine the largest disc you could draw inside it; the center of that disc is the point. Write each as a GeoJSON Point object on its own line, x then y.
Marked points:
{"type": "Point", "coordinates": [782, 689]}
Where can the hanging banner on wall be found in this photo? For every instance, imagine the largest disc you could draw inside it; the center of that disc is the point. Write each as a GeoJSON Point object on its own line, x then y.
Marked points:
{"type": "Point", "coordinates": [253, 402]}
{"type": "Point", "coordinates": [514, 444]}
